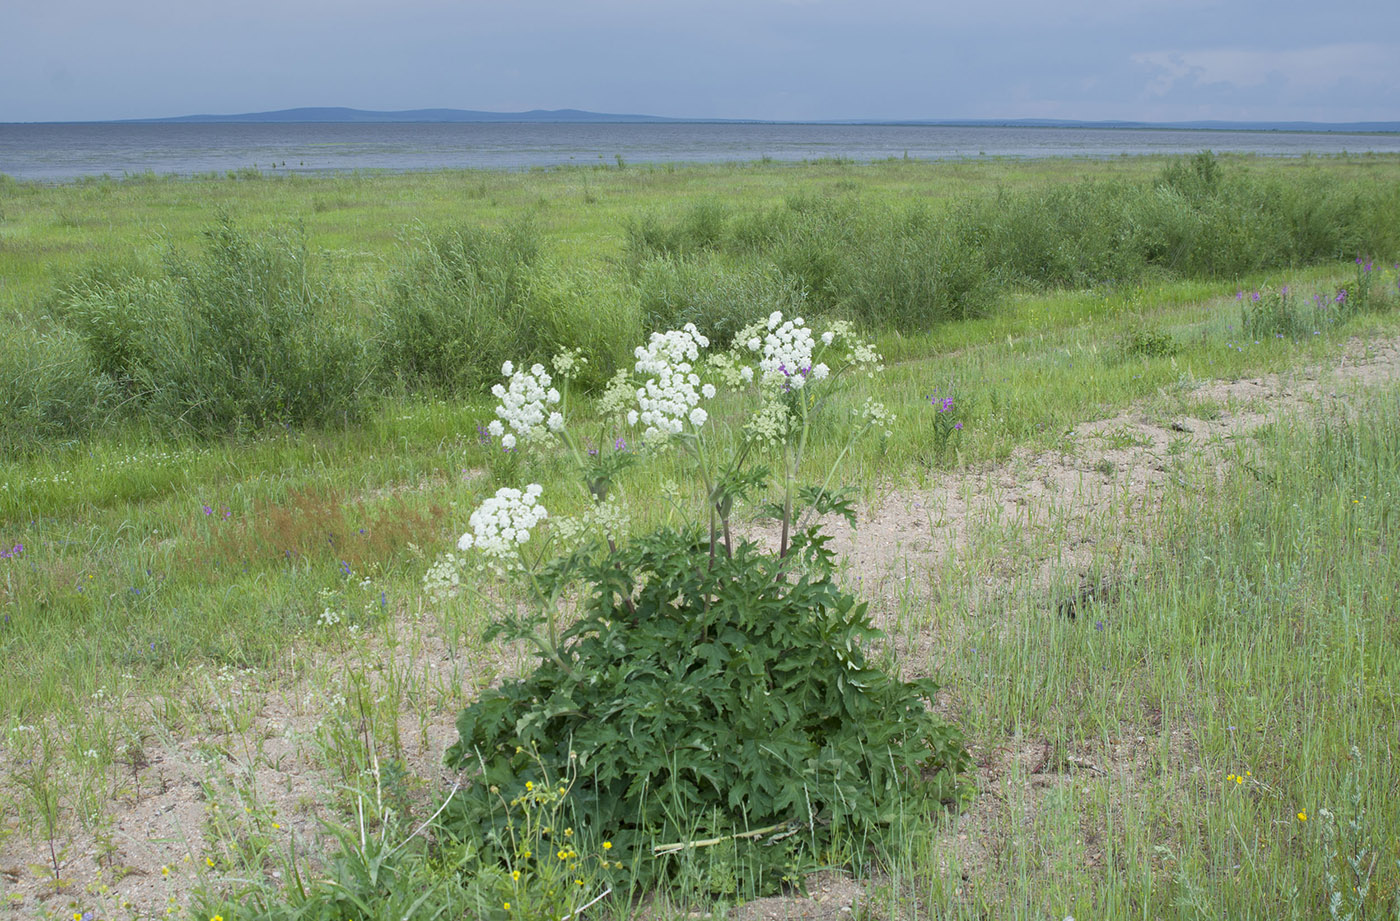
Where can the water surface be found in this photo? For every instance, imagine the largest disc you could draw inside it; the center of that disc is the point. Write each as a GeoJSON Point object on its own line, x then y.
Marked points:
{"type": "Point", "coordinates": [58, 152]}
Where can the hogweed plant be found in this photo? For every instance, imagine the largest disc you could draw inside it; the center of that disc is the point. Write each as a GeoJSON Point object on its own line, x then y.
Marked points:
{"type": "Point", "coordinates": [708, 691]}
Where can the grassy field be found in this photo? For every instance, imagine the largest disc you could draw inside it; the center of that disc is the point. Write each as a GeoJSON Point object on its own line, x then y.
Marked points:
{"type": "Point", "coordinates": [242, 603]}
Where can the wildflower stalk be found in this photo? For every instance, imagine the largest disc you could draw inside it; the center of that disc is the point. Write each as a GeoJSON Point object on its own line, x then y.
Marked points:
{"type": "Point", "coordinates": [793, 461]}
{"type": "Point", "coordinates": [821, 493]}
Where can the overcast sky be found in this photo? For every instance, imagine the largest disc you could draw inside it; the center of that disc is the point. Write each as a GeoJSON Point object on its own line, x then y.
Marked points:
{"type": "Point", "coordinates": [1156, 60]}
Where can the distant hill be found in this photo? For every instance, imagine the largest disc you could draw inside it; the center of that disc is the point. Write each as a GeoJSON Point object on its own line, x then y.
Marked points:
{"type": "Point", "coordinates": [578, 116]}
{"type": "Point", "coordinates": [1342, 127]}
{"type": "Point", "coordinates": [344, 115]}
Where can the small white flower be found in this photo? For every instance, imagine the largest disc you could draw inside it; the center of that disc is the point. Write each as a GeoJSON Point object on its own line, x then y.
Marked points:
{"type": "Point", "coordinates": [708, 391]}
{"type": "Point", "coordinates": [496, 428]}
{"type": "Point", "coordinates": [827, 337]}
{"type": "Point", "coordinates": [508, 441]}
{"type": "Point", "coordinates": [632, 417]}
{"type": "Point", "coordinates": [698, 417]}
{"type": "Point", "coordinates": [556, 422]}
{"type": "Point", "coordinates": [507, 369]}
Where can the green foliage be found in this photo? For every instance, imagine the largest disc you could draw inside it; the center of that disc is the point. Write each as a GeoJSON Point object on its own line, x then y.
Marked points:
{"type": "Point", "coordinates": [454, 306]}
{"type": "Point", "coordinates": [1146, 342]}
{"type": "Point", "coordinates": [693, 702]}
{"type": "Point", "coordinates": [718, 299]}
{"type": "Point", "coordinates": [50, 390]}
{"type": "Point", "coordinates": [876, 264]}
{"type": "Point", "coordinates": [239, 336]}
{"type": "Point", "coordinates": [693, 230]}
{"type": "Point", "coordinates": [576, 308]}
{"type": "Point", "coordinates": [1275, 314]}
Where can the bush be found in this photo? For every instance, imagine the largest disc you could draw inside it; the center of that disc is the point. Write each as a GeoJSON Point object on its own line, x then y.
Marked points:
{"type": "Point", "coordinates": [718, 299]}
{"type": "Point", "coordinates": [49, 391]}
{"type": "Point", "coordinates": [718, 701]}
{"type": "Point", "coordinates": [455, 307]}
{"type": "Point", "coordinates": [697, 228]}
{"type": "Point", "coordinates": [240, 336]}
{"type": "Point", "coordinates": [116, 318]}
{"type": "Point", "coordinates": [585, 309]}
{"type": "Point", "coordinates": [913, 270]}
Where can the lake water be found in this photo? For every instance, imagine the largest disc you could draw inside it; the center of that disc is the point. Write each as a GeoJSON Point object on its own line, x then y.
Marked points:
{"type": "Point", "coordinates": [58, 152]}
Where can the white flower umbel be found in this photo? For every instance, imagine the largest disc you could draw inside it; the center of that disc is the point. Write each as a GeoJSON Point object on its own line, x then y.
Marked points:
{"type": "Point", "coordinates": [443, 580]}
{"type": "Point", "coordinates": [503, 522]}
{"type": "Point", "coordinates": [523, 405]}
{"type": "Point", "coordinates": [785, 351]}
{"type": "Point", "coordinates": [875, 415]}
{"type": "Point", "coordinates": [671, 394]}
{"type": "Point", "coordinates": [569, 363]}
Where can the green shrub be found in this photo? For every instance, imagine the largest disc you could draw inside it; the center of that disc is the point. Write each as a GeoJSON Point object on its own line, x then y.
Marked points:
{"type": "Point", "coordinates": [912, 270]}
{"type": "Point", "coordinates": [256, 339]}
{"type": "Point", "coordinates": [695, 702]}
{"type": "Point", "coordinates": [116, 319]}
{"type": "Point", "coordinates": [699, 227]}
{"type": "Point", "coordinates": [239, 336]}
{"type": "Point", "coordinates": [720, 300]}
{"type": "Point", "coordinates": [49, 390]}
{"type": "Point", "coordinates": [583, 308]}
{"type": "Point", "coordinates": [455, 307]}
{"type": "Point", "coordinates": [710, 717]}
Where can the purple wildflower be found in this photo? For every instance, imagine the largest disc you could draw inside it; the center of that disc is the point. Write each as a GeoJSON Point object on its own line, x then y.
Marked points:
{"type": "Point", "coordinates": [620, 445]}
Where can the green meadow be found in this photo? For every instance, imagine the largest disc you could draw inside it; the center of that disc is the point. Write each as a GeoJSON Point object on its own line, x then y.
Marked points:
{"type": "Point", "coordinates": [242, 418]}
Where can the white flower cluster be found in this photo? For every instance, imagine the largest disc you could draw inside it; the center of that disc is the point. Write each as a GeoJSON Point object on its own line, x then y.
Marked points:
{"type": "Point", "coordinates": [569, 363]}
{"type": "Point", "coordinates": [443, 580]}
{"type": "Point", "coordinates": [771, 423]}
{"type": "Point", "coordinates": [860, 355]}
{"type": "Point", "coordinates": [618, 396]}
{"type": "Point", "coordinates": [730, 369]}
{"type": "Point", "coordinates": [876, 416]}
{"type": "Point", "coordinates": [785, 351]}
{"type": "Point", "coordinates": [605, 518]}
{"type": "Point", "coordinates": [503, 522]}
{"type": "Point", "coordinates": [671, 395]}
{"type": "Point", "coordinates": [523, 406]}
